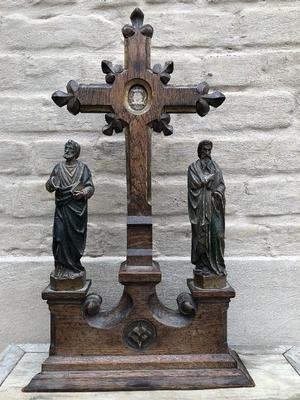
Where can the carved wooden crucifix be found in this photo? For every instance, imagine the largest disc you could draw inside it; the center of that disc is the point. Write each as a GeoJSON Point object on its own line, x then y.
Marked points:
{"type": "Point", "coordinates": [139, 344]}
{"type": "Point", "coordinates": [138, 98]}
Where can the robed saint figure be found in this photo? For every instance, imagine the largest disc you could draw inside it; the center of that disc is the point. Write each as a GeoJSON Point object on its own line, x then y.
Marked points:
{"type": "Point", "coordinates": [206, 204]}
{"type": "Point", "coordinates": [72, 182]}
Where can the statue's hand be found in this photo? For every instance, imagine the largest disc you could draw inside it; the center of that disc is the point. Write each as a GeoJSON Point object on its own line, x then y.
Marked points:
{"type": "Point", "coordinates": [52, 184]}
{"type": "Point", "coordinates": [79, 194]}
{"type": "Point", "coordinates": [210, 177]}
{"type": "Point", "coordinates": [209, 185]}
{"type": "Point", "coordinates": [218, 196]}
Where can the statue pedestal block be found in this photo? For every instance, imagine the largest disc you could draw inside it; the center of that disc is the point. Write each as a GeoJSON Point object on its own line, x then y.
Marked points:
{"type": "Point", "coordinates": [209, 281]}
{"type": "Point", "coordinates": [76, 282]}
{"type": "Point", "coordinates": [140, 344]}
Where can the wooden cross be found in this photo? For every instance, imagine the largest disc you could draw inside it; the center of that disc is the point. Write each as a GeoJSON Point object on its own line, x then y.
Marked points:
{"type": "Point", "coordinates": [138, 98]}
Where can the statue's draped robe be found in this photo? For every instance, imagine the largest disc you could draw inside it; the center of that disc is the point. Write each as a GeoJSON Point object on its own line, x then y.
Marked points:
{"type": "Point", "coordinates": [70, 219]}
{"type": "Point", "coordinates": [207, 215]}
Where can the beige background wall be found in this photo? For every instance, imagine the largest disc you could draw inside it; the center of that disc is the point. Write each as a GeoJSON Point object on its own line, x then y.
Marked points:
{"type": "Point", "coordinates": [250, 51]}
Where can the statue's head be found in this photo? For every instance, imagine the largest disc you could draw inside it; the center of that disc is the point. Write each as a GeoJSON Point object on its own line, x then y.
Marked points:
{"type": "Point", "coordinates": [72, 150]}
{"type": "Point", "coordinates": [204, 149]}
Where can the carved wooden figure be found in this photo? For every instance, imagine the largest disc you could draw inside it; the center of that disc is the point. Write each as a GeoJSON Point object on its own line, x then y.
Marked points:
{"type": "Point", "coordinates": [140, 344]}
{"type": "Point", "coordinates": [73, 186]}
{"type": "Point", "coordinates": [206, 202]}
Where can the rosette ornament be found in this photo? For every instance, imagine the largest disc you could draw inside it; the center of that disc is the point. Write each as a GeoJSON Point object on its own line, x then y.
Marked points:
{"type": "Point", "coordinates": [214, 99]}
{"type": "Point", "coordinates": [61, 98]}
{"type": "Point", "coordinates": [137, 20]}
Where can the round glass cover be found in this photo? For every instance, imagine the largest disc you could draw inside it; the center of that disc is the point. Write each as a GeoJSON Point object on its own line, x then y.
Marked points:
{"type": "Point", "coordinates": [137, 97]}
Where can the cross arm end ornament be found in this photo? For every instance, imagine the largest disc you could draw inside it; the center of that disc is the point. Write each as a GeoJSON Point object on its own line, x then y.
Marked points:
{"type": "Point", "coordinates": [183, 100]}
{"type": "Point", "coordinates": [85, 98]}
{"type": "Point", "coordinates": [69, 99]}
{"type": "Point", "coordinates": [214, 99]}
{"type": "Point", "coordinates": [190, 99]}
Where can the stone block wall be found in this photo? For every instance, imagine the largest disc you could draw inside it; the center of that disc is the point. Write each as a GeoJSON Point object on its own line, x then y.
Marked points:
{"type": "Point", "coordinates": [247, 49]}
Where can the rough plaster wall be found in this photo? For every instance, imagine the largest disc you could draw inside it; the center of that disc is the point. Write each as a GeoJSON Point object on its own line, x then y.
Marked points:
{"type": "Point", "coordinates": [250, 51]}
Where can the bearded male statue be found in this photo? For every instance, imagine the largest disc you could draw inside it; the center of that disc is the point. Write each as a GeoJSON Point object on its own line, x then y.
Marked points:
{"type": "Point", "coordinates": [206, 205]}
{"type": "Point", "coordinates": [72, 182]}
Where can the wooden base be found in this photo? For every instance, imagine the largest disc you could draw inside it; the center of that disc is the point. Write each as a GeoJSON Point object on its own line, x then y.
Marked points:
{"type": "Point", "coordinates": [141, 344]}
{"type": "Point", "coordinates": [197, 371]}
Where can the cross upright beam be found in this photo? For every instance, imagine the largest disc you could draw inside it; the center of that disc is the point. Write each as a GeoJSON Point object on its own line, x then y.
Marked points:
{"type": "Point", "coordinates": [138, 98]}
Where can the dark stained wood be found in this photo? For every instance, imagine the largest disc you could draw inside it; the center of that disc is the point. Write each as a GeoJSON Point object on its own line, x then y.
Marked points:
{"type": "Point", "coordinates": [134, 274]}
{"type": "Point", "coordinates": [140, 344]}
{"type": "Point", "coordinates": [173, 361]}
{"type": "Point", "coordinates": [139, 380]}
{"type": "Point", "coordinates": [73, 333]}
{"type": "Point", "coordinates": [139, 175]}
{"type": "Point", "coordinates": [138, 237]}
{"type": "Point", "coordinates": [89, 352]}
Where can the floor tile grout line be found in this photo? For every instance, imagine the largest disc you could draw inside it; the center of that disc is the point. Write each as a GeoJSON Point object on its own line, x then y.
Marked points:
{"type": "Point", "coordinates": [13, 363]}
{"type": "Point", "coordinates": [285, 355]}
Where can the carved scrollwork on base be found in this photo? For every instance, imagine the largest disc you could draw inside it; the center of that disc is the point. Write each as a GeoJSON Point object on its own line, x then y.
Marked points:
{"type": "Point", "coordinates": [162, 124]}
{"type": "Point", "coordinates": [186, 304]}
{"type": "Point", "coordinates": [92, 304]}
{"type": "Point", "coordinates": [214, 99]}
{"type": "Point", "coordinates": [113, 124]}
{"type": "Point", "coordinates": [61, 98]}
{"type": "Point", "coordinates": [137, 20]}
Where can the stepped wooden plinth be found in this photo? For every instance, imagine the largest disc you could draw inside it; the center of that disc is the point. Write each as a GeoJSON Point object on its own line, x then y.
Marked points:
{"type": "Point", "coordinates": [97, 353]}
